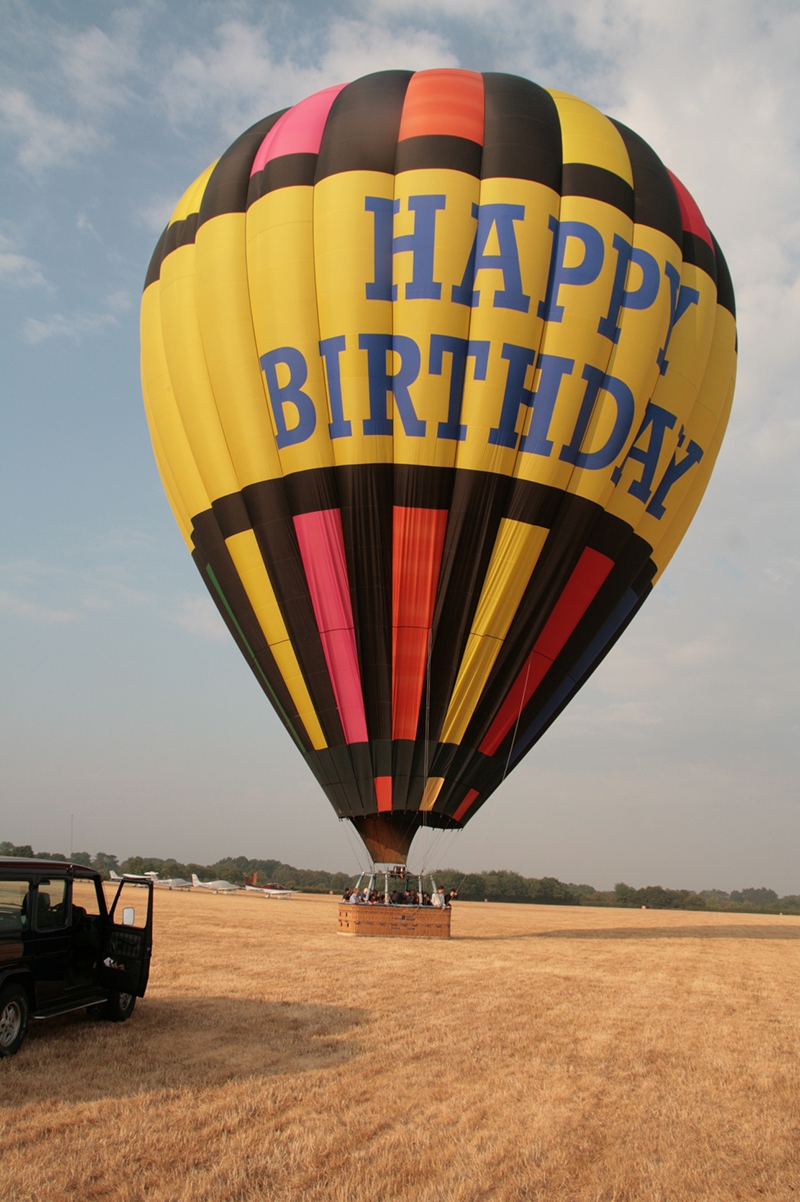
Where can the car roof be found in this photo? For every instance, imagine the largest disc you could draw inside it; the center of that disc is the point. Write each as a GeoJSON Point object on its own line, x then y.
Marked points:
{"type": "Point", "coordinates": [48, 867]}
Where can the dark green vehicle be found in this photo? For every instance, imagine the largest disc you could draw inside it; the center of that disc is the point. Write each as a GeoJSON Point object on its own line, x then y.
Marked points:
{"type": "Point", "coordinates": [63, 948]}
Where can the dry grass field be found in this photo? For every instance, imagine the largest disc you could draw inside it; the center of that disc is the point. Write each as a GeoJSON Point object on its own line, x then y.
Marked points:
{"type": "Point", "coordinates": [572, 1055]}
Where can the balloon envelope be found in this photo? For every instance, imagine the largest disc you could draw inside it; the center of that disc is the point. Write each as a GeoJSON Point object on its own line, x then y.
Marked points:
{"type": "Point", "coordinates": [436, 366]}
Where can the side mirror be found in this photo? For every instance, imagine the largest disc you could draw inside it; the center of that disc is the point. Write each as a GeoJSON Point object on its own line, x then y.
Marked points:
{"type": "Point", "coordinates": [128, 916]}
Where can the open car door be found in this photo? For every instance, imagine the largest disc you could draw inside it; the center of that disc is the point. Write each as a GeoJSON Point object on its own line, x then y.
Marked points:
{"type": "Point", "coordinates": [128, 939]}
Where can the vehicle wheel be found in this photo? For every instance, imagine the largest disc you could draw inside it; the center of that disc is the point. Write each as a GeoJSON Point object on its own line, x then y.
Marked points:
{"type": "Point", "coordinates": [118, 1008]}
{"type": "Point", "coordinates": [13, 1019]}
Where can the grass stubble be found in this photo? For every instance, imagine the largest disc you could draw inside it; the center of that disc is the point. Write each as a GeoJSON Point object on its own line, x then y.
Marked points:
{"type": "Point", "coordinates": [554, 1053]}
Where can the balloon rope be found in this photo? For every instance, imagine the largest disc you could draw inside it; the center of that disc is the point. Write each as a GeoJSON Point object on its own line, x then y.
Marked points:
{"type": "Point", "coordinates": [425, 764]}
{"type": "Point", "coordinates": [516, 724]}
{"type": "Point", "coordinates": [355, 846]}
{"type": "Point", "coordinates": [502, 778]}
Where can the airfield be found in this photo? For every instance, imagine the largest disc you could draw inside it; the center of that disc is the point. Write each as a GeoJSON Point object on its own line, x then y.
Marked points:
{"type": "Point", "coordinates": [573, 1055]}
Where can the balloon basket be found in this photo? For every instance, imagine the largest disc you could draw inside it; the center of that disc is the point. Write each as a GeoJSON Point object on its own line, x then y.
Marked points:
{"type": "Point", "coordinates": [395, 922]}
{"type": "Point", "coordinates": [390, 906]}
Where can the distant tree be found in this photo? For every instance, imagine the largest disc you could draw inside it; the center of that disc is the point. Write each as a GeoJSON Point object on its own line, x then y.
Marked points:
{"type": "Point", "coordinates": [23, 851]}
{"type": "Point", "coordinates": [228, 870]}
{"type": "Point", "coordinates": [656, 897]}
{"type": "Point", "coordinates": [105, 863]}
{"type": "Point", "coordinates": [759, 897]}
{"type": "Point", "coordinates": [202, 871]}
{"type": "Point", "coordinates": [599, 899]}
{"type": "Point", "coordinates": [82, 857]}
{"type": "Point", "coordinates": [172, 868]}
{"type": "Point", "coordinates": [135, 865]}
{"type": "Point", "coordinates": [549, 891]}
{"type": "Point", "coordinates": [583, 890]}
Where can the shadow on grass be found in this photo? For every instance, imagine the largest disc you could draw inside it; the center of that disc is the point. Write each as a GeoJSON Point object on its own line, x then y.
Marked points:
{"type": "Point", "coordinates": [711, 932]}
{"type": "Point", "coordinates": [175, 1044]}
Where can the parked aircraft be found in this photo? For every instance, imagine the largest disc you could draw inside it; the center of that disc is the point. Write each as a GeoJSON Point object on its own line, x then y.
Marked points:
{"type": "Point", "coordinates": [117, 879]}
{"type": "Point", "coordinates": [169, 882]}
{"type": "Point", "coordinates": [268, 890]}
{"type": "Point", "coordinates": [214, 886]}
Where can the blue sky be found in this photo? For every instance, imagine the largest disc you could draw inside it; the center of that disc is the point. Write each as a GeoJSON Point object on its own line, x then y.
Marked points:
{"type": "Point", "coordinates": [124, 702]}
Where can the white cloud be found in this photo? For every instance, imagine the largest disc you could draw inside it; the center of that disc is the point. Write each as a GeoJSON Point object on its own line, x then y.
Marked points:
{"type": "Point", "coordinates": [94, 63]}
{"type": "Point", "coordinates": [230, 83]}
{"type": "Point", "coordinates": [17, 269]}
{"type": "Point", "coordinates": [120, 302]}
{"type": "Point", "coordinates": [199, 616]}
{"type": "Point", "coordinates": [242, 75]}
{"type": "Point", "coordinates": [156, 215]}
{"type": "Point", "coordinates": [60, 326]}
{"type": "Point", "coordinates": [698, 652]}
{"type": "Point", "coordinates": [45, 140]}
{"type": "Point", "coordinates": [581, 719]}
{"type": "Point", "coordinates": [49, 592]}
{"type": "Point", "coordinates": [358, 47]}
{"type": "Point", "coordinates": [31, 611]}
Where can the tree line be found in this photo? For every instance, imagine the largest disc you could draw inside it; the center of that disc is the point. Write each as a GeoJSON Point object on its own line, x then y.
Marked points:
{"type": "Point", "coordinates": [496, 886]}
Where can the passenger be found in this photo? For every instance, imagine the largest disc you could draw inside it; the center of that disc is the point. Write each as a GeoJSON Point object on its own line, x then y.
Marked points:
{"type": "Point", "coordinates": [426, 899]}
{"type": "Point", "coordinates": [397, 898]}
{"type": "Point", "coordinates": [438, 898]}
{"type": "Point", "coordinates": [354, 897]}
{"type": "Point", "coordinates": [451, 897]}
{"type": "Point", "coordinates": [348, 889]}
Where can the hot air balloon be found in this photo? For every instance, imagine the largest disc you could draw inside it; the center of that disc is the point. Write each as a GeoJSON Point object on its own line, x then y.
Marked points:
{"type": "Point", "coordinates": [436, 367]}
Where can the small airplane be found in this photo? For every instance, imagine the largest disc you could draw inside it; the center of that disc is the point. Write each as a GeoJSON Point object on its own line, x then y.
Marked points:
{"type": "Point", "coordinates": [117, 879]}
{"type": "Point", "coordinates": [169, 882]}
{"type": "Point", "coordinates": [268, 890]}
{"type": "Point", "coordinates": [214, 886]}
{"type": "Point", "coordinates": [175, 882]}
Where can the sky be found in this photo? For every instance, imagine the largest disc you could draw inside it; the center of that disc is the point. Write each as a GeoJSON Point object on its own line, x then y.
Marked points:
{"type": "Point", "coordinates": [126, 707]}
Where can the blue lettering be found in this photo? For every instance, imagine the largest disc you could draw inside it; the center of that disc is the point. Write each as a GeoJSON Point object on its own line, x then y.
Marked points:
{"type": "Point", "coordinates": [520, 358]}
{"type": "Point", "coordinates": [681, 297]}
{"type": "Point", "coordinates": [383, 210]}
{"type": "Point", "coordinates": [597, 382]}
{"type": "Point", "coordinates": [608, 325]}
{"type": "Point", "coordinates": [585, 272]}
{"type": "Point", "coordinates": [420, 245]}
{"type": "Point", "coordinates": [460, 349]}
{"type": "Point", "coordinates": [658, 420]}
{"type": "Point", "coordinates": [289, 394]}
{"type": "Point", "coordinates": [381, 383]}
{"type": "Point", "coordinates": [638, 298]}
{"type": "Point", "coordinates": [500, 217]}
{"type": "Point", "coordinates": [553, 368]}
{"type": "Point", "coordinates": [331, 349]}
{"type": "Point", "coordinates": [693, 455]}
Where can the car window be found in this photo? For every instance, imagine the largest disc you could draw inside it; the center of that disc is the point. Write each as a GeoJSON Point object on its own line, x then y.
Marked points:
{"type": "Point", "coordinates": [51, 905]}
{"type": "Point", "coordinates": [14, 915]}
{"type": "Point", "coordinates": [84, 899]}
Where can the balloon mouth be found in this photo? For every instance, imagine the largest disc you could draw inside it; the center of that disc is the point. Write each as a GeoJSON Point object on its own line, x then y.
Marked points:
{"type": "Point", "coordinates": [388, 837]}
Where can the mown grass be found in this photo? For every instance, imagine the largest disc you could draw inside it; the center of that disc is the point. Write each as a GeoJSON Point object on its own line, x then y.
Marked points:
{"type": "Point", "coordinates": [566, 1054]}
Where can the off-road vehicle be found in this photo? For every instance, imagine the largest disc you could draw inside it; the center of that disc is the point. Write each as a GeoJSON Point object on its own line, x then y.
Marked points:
{"type": "Point", "coordinates": [62, 948]}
